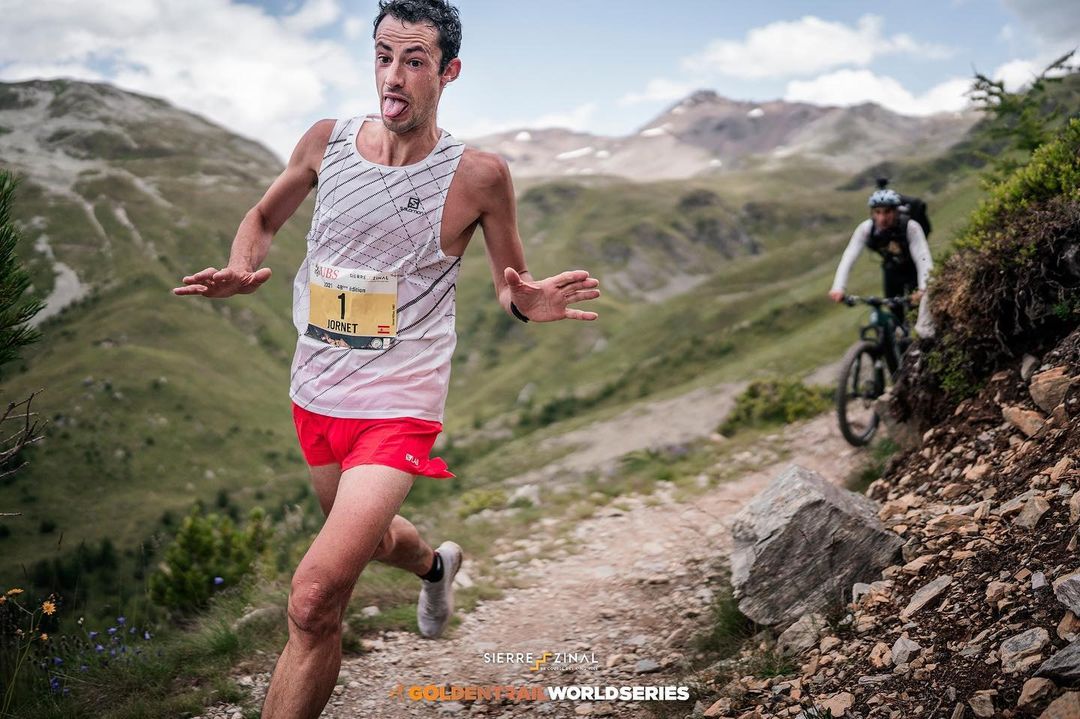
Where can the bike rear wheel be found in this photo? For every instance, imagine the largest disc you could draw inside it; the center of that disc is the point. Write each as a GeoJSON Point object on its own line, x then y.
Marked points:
{"type": "Point", "coordinates": [861, 382]}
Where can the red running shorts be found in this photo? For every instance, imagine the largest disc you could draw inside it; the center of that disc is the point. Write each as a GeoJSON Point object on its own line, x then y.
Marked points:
{"type": "Point", "coordinates": [402, 443]}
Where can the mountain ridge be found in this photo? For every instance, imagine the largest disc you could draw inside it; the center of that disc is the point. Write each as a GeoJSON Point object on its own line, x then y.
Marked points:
{"type": "Point", "coordinates": [706, 133]}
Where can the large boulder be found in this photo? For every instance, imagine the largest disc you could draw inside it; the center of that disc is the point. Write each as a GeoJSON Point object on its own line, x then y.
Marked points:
{"type": "Point", "coordinates": [801, 543]}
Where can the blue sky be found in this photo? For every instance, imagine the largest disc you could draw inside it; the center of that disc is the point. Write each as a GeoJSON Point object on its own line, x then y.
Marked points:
{"type": "Point", "coordinates": [269, 69]}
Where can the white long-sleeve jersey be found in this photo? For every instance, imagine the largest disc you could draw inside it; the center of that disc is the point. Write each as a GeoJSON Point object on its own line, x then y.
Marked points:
{"type": "Point", "coordinates": [918, 248]}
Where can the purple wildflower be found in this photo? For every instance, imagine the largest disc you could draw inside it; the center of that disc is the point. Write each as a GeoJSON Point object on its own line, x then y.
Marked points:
{"type": "Point", "coordinates": [218, 581]}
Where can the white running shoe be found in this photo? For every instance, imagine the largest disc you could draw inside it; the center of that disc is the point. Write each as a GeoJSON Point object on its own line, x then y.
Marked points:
{"type": "Point", "coordinates": [436, 602]}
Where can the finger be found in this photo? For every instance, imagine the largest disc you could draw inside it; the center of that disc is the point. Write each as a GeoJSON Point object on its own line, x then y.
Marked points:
{"type": "Point", "coordinates": [587, 284]}
{"type": "Point", "coordinates": [201, 276]}
{"type": "Point", "coordinates": [572, 314]}
{"type": "Point", "coordinates": [261, 275]}
{"type": "Point", "coordinates": [225, 274]}
{"type": "Point", "coordinates": [581, 296]}
{"type": "Point", "coordinates": [190, 290]}
{"type": "Point", "coordinates": [564, 278]}
{"type": "Point", "coordinates": [512, 277]}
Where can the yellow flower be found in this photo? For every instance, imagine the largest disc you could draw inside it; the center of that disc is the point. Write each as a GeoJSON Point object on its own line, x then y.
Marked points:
{"type": "Point", "coordinates": [48, 607]}
{"type": "Point", "coordinates": [44, 637]}
{"type": "Point", "coordinates": [10, 592]}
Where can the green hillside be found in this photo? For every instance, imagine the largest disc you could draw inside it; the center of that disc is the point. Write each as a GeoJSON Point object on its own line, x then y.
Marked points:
{"type": "Point", "coordinates": [156, 402]}
{"type": "Point", "coordinates": [153, 401]}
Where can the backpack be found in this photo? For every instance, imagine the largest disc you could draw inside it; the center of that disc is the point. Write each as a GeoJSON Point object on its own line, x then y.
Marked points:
{"type": "Point", "coordinates": [914, 208]}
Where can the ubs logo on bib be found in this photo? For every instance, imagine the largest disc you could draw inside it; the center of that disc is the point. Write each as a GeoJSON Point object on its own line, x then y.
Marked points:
{"type": "Point", "coordinates": [327, 273]}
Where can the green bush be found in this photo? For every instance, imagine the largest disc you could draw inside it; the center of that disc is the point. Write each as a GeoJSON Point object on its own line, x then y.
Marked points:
{"type": "Point", "coordinates": [16, 308]}
{"type": "Point", "coordinates": [477, 500]}
{"type": "Point", "coordinates": [209, 552]}
{"type": "Point", "coordinates": [1012, 286]}
{"type": "Point", "coordinates": [1054, 171]}
{"type": "Point", "coordinates": [773, 402]}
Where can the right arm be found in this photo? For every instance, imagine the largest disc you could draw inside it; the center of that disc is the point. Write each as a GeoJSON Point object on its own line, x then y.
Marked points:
{"type": "Point", "coordinates": [242, 275]}
{"type": "Point", "coordinates": [854, 249]}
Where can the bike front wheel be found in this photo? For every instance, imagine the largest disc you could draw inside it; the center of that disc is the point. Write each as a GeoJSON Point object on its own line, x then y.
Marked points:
{"type": "Point", "coordinates": [861, 382]}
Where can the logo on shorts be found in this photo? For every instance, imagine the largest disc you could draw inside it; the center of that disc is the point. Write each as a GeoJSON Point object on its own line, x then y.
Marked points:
{"type": "Point", "coordinates": [413, 206]}
{"type": "Point", "coordinates": [412, 460]}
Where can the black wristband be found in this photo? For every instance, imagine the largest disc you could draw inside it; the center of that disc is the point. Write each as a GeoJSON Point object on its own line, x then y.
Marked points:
{"type": "Point", "coordinates": [517, 313]}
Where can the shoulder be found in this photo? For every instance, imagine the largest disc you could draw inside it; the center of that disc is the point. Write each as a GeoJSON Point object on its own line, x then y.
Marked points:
{"type": "Point", "coordinates": [914, 230]}
{"type": "Point", "coordinates": [484, 170]}
{"type": "Point", "coordinates": [312, 144]}
{"type": "Point", "coordinates": [863, 228]}
{"type": "Point", "coordinates": [319, 133]}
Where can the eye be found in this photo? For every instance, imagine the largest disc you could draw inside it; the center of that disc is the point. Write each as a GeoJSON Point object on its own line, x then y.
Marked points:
{"type": "Point", "coordinates": [416, 63]}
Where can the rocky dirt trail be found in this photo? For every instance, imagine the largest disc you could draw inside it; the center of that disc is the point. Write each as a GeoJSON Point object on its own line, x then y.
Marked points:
{"type": "Point", "coordinates": [631, 593]}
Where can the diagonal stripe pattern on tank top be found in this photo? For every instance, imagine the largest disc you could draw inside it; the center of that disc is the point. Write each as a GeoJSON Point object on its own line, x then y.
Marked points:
{"type": "Point", "coordinates": [386, 220]}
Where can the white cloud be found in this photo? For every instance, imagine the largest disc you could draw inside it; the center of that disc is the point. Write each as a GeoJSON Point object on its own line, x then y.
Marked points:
{"type": "Point", "coordinates": [659, 90]}
{"type": "Point", "coordinates": [1017, 73]}
{"type": "Point", "coordinates": [355, 28]}
{"type": "Point", "coordinates": [852, 87]}
{"type": "Point", "coordinates": [798, 48]}
{"type": "Point", "coordinates": [1054, 21]}
{"type": "Point", "coordinates": [312, 15]}
{"type": "Point", "coordinates": [575, 119]}
{"type": "Point", "coordinates": [262, 76]}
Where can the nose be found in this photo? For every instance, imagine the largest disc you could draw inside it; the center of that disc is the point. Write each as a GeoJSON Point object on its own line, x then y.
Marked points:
{"type": "Point", "coordinates": [395, 76]}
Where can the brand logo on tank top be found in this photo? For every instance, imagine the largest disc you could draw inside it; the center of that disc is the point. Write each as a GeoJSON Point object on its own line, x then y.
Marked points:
{"type": "Point", "coordinates": [413, 206]}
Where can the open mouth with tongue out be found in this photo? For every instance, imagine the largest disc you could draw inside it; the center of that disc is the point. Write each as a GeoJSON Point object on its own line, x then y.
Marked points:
{"type": "Point", "coordinates": [394, 107]}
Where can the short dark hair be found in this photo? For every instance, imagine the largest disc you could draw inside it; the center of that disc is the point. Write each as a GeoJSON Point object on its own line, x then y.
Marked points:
{"type": "Point", "coordinates": [438, 13]}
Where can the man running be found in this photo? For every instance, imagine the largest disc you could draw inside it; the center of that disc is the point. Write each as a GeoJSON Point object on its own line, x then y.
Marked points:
{"type": "Point", "coordinates": [397, 202]}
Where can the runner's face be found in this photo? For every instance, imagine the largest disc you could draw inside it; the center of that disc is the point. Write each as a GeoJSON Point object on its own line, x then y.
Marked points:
{"type": "Point", "coordinates": [884, 217]}
{"type": "Point", "coordinates": [407, 73]}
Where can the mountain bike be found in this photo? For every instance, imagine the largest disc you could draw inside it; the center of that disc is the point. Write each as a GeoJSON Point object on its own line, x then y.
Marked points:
{"type": "Point", "coordinates": [870, 365]}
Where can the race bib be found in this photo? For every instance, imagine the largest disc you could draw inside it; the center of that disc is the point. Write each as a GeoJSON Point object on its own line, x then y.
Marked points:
{"type": "Point", "coordinates": [352, 307]}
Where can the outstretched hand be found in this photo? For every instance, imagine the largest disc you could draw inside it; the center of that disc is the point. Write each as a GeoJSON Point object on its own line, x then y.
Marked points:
{"type": "Point", "coordinates": [225, 282]}
{"type": "Point", "coordinates": [546, 300]}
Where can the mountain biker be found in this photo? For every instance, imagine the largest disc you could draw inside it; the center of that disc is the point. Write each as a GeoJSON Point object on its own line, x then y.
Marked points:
{"type": "Point", "coordinates": [398, 200]}
{"type": "Point", "coordinates": [905, 255]}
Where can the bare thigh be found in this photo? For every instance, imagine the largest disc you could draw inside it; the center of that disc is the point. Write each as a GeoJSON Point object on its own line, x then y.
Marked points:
{"type": "Point", "coordinates": [366, 501]}
{"type": "Point", "coordinates": [325, 479]}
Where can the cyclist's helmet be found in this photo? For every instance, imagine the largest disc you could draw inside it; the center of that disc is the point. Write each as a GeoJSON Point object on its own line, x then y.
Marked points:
{"type": "Point", "coordinates": [885, 198]}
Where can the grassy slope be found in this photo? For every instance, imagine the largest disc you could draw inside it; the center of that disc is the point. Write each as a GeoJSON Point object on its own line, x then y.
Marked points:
{"type": "Point", "coordinates": [153, 401]}
{"type": "Point", "coordinates": [124, 447]}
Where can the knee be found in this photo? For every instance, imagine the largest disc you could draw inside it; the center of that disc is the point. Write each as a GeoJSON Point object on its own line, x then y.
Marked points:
{"type": "Point", "coordinates": [316, 605]}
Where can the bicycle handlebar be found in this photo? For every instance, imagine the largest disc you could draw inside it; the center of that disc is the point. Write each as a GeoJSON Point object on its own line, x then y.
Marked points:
{"type": "Point", "coordinates": [852, 300]}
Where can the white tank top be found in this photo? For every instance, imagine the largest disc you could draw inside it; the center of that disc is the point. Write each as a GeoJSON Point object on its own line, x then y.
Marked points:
{"type": "Point", "coordinates": [373, 301]}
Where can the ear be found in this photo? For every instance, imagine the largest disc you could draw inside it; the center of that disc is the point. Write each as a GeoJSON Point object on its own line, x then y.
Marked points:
{"type": "Point", "coordinates": [453, 69]}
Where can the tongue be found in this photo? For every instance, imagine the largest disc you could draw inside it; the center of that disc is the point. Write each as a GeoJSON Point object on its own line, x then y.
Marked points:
{"type": "Point", "coordinates": [392, 107]}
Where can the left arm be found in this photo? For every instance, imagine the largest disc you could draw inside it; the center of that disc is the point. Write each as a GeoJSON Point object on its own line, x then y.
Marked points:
{"type": "Point", "coordinates": [920, 253]}
{"type": "Point", "coordinates": [544, 300]}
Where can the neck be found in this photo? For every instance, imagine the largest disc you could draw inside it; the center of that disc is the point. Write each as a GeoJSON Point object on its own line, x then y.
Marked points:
{"type": "Point", "coordinates": [395, 150]}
